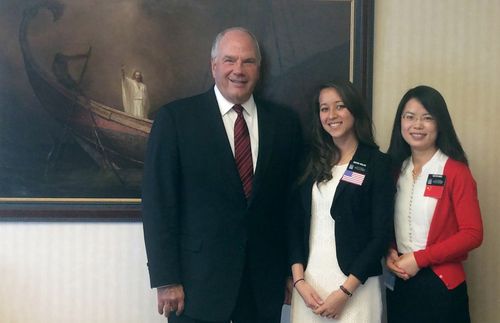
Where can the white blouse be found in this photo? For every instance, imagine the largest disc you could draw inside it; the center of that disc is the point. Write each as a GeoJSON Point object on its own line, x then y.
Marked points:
{"type": "Point", "coordinates": [413, 210]}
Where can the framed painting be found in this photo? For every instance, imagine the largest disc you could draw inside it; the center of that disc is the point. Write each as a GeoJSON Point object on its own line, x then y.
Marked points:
{"type": "Point", "coordinates": [72, 148]}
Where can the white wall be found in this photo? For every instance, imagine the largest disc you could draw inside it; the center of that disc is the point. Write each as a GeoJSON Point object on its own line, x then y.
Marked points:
{"type": "Point", "coordinates": [74, 272]}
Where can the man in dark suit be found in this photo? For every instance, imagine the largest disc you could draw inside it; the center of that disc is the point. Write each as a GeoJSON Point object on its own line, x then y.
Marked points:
{"type": "Point", "coordinates": [218, 171]}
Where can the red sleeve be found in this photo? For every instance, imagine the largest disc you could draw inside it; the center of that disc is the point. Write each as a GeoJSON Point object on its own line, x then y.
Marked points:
{"type": "Point", "coordinates": [457, 226]}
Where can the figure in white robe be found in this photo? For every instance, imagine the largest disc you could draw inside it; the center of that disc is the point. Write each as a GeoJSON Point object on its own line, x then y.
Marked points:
{"type": "Point", "coordinates": [135, 95]}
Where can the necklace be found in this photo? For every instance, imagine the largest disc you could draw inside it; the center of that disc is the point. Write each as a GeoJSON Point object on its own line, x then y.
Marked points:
{"type": "Point", "coordinates": [415, 174]}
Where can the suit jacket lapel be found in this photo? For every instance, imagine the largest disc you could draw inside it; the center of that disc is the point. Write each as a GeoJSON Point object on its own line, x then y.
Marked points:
{"type": "Point", "coordinates": [223, 156]}
{"type": "Point", "coordinates": [266, 139]}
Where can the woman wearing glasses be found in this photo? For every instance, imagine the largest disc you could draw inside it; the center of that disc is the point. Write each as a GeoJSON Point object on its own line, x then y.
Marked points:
{"type": "Point", "coordinates": [437, 218]}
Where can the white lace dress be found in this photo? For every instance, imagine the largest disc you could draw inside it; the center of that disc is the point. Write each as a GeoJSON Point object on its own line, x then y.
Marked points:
{"type": "Point", "coordinates": [323, 272]}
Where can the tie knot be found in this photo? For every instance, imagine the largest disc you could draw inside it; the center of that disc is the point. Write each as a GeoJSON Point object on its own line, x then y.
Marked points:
{"type": "Point", "coordinates": [238, 108]}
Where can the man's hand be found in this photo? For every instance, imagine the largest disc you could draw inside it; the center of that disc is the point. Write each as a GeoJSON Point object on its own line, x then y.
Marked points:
{"type": "Point", "coordinates": [170, 299]}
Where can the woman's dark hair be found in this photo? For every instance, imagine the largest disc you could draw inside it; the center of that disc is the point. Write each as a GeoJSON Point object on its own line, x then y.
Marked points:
{"type": "Point", "coordinates": [323, 153]}
{"type": "Point", "coordinates": [447, 139]}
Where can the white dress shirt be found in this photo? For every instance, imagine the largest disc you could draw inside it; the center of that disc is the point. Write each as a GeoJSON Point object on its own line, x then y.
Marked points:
{"type": "Point", "coordinates": [229, 117]}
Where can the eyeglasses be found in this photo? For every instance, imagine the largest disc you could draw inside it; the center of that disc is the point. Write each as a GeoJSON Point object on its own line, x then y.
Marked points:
{"type": "Point", "coordinates": [412, 118]}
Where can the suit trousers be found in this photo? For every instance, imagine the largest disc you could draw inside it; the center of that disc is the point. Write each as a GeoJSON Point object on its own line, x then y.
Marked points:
{"type": "Point", "coordinates": [425, 298]}
{"type": "Point", "coordinates": [245, 311]}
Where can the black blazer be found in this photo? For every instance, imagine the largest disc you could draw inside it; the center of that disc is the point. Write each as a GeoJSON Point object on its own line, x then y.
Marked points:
{"type": "Point", "coordinates": [363, 217]}
{"type": "Point", "coordinates": [199, 230]}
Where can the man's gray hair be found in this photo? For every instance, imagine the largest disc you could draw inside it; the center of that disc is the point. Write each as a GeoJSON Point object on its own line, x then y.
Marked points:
{"type": "Point", "coordinates": [215, 44]}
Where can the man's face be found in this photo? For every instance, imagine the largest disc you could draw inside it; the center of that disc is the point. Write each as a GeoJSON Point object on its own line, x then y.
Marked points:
{"type": "Point", "coordinates": [138, 76]}
{"type": "Point", "coordinates": [235, 69]}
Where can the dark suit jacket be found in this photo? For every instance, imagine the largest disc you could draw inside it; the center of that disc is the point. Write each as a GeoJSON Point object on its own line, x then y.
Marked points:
{"type": "Point", "coordinates": [363, 218]}
{"type": "Point", "coordinates": [198, 228]}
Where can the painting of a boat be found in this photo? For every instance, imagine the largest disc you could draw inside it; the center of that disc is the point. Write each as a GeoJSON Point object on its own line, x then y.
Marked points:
{"type": "Point", "coordinates": [64, 132]}
{"type": "Point", "coordinates": [111, 137]}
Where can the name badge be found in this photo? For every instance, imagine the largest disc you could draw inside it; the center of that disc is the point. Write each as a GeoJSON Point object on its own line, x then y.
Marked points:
{"type": "Point", "coordinates": [355, 173]}
{"type": "Point", "coordinates": [435, 186]}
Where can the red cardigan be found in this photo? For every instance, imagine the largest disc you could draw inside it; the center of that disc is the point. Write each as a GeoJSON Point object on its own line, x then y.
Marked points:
{"type": "Point", "coordinates": [456, 226]}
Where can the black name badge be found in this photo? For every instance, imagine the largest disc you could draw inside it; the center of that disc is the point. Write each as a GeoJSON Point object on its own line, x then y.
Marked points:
{"type": "Point", "coordinates": [435, 185]}
{"type": "Point", "coordinates": [357, 167]}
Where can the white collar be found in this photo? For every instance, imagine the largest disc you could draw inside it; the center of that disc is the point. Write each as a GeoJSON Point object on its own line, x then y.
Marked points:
{"type": "Point", "coordinates": [225, 106]}
{"type": "Point", "coordinates": [439, 158]}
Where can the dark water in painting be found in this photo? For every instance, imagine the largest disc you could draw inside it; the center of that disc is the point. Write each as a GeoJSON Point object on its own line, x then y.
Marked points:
{"type": "Point", "coordinates": [26, 171]}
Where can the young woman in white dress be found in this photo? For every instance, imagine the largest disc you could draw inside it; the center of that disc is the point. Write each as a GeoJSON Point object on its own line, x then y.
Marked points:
{"type": "Point", "coordinates": [341, 215]}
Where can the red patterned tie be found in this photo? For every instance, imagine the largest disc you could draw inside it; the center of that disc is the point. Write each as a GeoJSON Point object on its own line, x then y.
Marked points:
{"type": "Point", "coordinates": [243, 151]}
